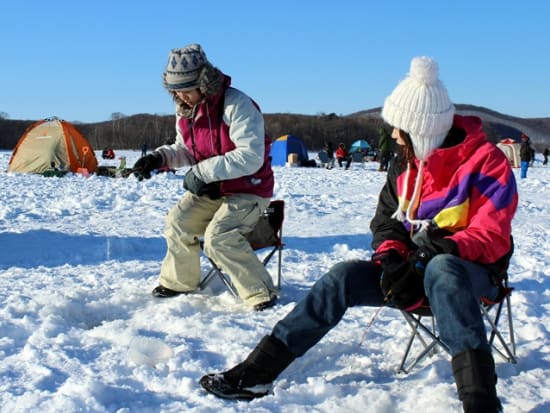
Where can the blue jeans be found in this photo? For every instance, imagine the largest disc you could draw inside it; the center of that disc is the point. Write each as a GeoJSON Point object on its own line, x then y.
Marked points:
{"type": "Point", "coordinates": [346, 284]}
{"type": "Point", "coordinates": [453, 286]}
{"type": "Point", "coordinates": [524, 167]}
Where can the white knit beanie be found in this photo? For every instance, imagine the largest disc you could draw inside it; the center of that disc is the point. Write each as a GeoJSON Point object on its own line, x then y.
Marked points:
{"type": "Point", "coordinates": [184, 68]}
{"type": "Point", "coordinates": [420, 106]}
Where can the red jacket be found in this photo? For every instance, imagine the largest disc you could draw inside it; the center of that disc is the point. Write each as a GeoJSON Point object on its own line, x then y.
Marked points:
{"type": "Point", "coordinates": [341, 153]}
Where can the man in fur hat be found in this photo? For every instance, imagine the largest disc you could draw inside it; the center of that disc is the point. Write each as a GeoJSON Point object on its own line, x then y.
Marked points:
{"type": "Point", "coordinates": [221, 136]}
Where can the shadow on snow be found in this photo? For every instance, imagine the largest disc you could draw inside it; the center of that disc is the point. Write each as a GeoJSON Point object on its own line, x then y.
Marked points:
{"type": "Point", "coordinates": [48, 248]}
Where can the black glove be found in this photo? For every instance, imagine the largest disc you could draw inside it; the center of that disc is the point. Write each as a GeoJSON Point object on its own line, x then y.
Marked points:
{"type": "Point", "coordinates": [393, 265]}
{"type": "Point", "coordinates": [430, 249]}
{"type": "Point", "coordinates": [197, 186]}
{"type": "Point", "coordinates": [143, 166]}
{"type": "Point", "coordinates": [401, 282]}
{"type": "Point", "coordinates": [408, 288]}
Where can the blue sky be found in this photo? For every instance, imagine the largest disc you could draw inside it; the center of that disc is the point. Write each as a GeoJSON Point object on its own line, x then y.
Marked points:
{"type": "Point", "coordinates": [84, 61]}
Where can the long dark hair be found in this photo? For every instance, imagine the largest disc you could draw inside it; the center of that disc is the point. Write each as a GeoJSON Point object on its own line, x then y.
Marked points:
{"type": "Point", "coordinates": [406, 152]}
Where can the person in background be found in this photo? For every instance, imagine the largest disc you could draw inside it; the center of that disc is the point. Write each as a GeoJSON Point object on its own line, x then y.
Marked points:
{"type": "Point", "coordinates": [221, 136]}
{"type": "Point", "coordinates": [526, 155]}
{"type": "Point", "coordinates": [441, 232]}
{"type": "Point", "coordinates": [384, 149]}
{"type": "Point", "coordinates": [342, 155]}
{"type": "Point", "coordinates": [545, 153]}
{"type": "Point", "coordinates": [144, 150]}
{"type": "Point", "coordinates": [329, 149]}
{"type": "Point", "coordinates": [108, 153]}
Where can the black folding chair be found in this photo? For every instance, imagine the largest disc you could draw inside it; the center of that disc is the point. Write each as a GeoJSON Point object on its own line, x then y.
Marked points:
{"type": "Point", "coordinates": [267, 235]}
{"type": "Point", "coordinates": [502, 342]}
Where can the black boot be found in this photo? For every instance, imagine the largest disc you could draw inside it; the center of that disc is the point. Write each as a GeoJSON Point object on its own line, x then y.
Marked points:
{"type": "Point", "coordinates": [475, 378]}
{"type": "Point", "coordinates": [253, 377]}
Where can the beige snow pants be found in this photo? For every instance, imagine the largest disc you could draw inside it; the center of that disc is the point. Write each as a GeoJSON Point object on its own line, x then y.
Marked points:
{"type": "Point", "coordinates": [222, 223]}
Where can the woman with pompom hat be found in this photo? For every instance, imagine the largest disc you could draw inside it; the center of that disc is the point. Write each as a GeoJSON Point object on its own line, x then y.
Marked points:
{"type": "Point", "coordinates": [441, 233]}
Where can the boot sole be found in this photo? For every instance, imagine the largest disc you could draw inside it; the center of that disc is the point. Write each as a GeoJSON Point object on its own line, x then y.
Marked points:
{"type": "Point", "coordinates": [216, 384]}
{"type": "Point", "coordinates": [163, 292]}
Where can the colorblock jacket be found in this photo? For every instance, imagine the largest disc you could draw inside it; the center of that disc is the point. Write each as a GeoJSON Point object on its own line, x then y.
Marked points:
{"type": "Point", "coordinates": [468, 193]}
{"type": "Point", "coordinates": [225, 142]}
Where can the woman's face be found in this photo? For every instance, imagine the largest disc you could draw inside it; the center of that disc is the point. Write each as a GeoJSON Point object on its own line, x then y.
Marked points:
{"type": "Point", "coordinates": [396, 134]}
{"type": "Point", "coordinates": [190, 97]}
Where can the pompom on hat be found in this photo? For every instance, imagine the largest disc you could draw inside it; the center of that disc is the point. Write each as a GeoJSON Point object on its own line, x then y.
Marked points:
{"type": "Point", "coordinates": [420, 106]}
{"type": "Point", "coordinates": [184, 68]}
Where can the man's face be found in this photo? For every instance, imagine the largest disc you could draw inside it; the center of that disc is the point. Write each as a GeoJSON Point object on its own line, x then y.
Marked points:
{"type": "Point", "coordinates": [190, 97]}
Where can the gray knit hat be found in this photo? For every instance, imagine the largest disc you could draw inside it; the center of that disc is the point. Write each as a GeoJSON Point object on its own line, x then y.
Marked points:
{"type": "Point", "coordinates": [184, 68]}
{"type": "Point", "coordinates": [420, 106]}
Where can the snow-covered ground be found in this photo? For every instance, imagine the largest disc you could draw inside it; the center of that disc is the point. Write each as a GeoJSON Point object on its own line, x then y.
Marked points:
{"type": "Point", "coordinates": [79, 257]}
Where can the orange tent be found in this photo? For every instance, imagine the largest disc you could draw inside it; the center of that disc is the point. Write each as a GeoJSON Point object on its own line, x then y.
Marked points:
{"type": "Point", "coordinates": [52, 143]}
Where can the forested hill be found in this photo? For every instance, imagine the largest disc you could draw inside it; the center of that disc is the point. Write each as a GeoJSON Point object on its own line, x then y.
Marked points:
{"type": "Point", "coordinates": [127, 132]}
{"type": "Point", "coordinates": [498, 125]}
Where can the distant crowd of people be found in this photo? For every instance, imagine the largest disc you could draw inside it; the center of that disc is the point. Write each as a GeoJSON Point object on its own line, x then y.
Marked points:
{"type": "Point", "coordinates": [343, 157]}
{"type": "Point", "coordinates": [385, 153]}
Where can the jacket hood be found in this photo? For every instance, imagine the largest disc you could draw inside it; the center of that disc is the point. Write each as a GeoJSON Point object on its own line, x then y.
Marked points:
{"type": "Point", "coordinates": [452, 152]}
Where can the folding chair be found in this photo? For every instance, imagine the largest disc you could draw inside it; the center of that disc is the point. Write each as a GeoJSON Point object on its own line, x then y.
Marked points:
{"type": "Point", "coordinates": [323, 159]}
{"type": "Point", "coordinates": [267, 235]}
{"type": "Point", "coordinates": [358, 157]}
{"type": "Point", "coordinates": [502, 343]}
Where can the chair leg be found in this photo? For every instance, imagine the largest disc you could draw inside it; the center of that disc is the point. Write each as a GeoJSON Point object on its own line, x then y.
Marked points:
{"type": "Point", "coordinates": [511, 327]}
{"type": "Point", "coordinates": [507, 353]}
{"type": "Point", "coordinates": [215, 271]}
{"type": "Point", "coordinates": [229, 285]}
{"type": "Point", "coordinates": [414, 334]}
{"type": "Point", "coordinates": [207, 278]}
{"type": "Point", "coordinates": [279, 251]}
{"type": "Point", "coordinates": [505, 349]}
{"type": "Point", "coordinates": [417, 327]}
{"type": "Point", "coordinates": [280, 260]}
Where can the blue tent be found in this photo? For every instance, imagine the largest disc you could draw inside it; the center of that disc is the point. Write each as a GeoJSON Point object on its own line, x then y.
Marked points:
{"type": "Point", "coordinates": [283, 146]}
{"type": "Point", "coordinates": [359, 146]}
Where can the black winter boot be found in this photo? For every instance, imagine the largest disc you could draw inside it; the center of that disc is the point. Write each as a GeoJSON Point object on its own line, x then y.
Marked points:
{"type": "Point", "coordinates": [253, 377]}
{"type": "Point", "coordinates": [475, 378]}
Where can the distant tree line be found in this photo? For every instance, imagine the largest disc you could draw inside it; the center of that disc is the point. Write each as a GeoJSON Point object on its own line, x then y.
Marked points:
{"type": "Point", "coordinates": [317, 130]}
{"type": "Point", "coordinates": [131, 132]}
